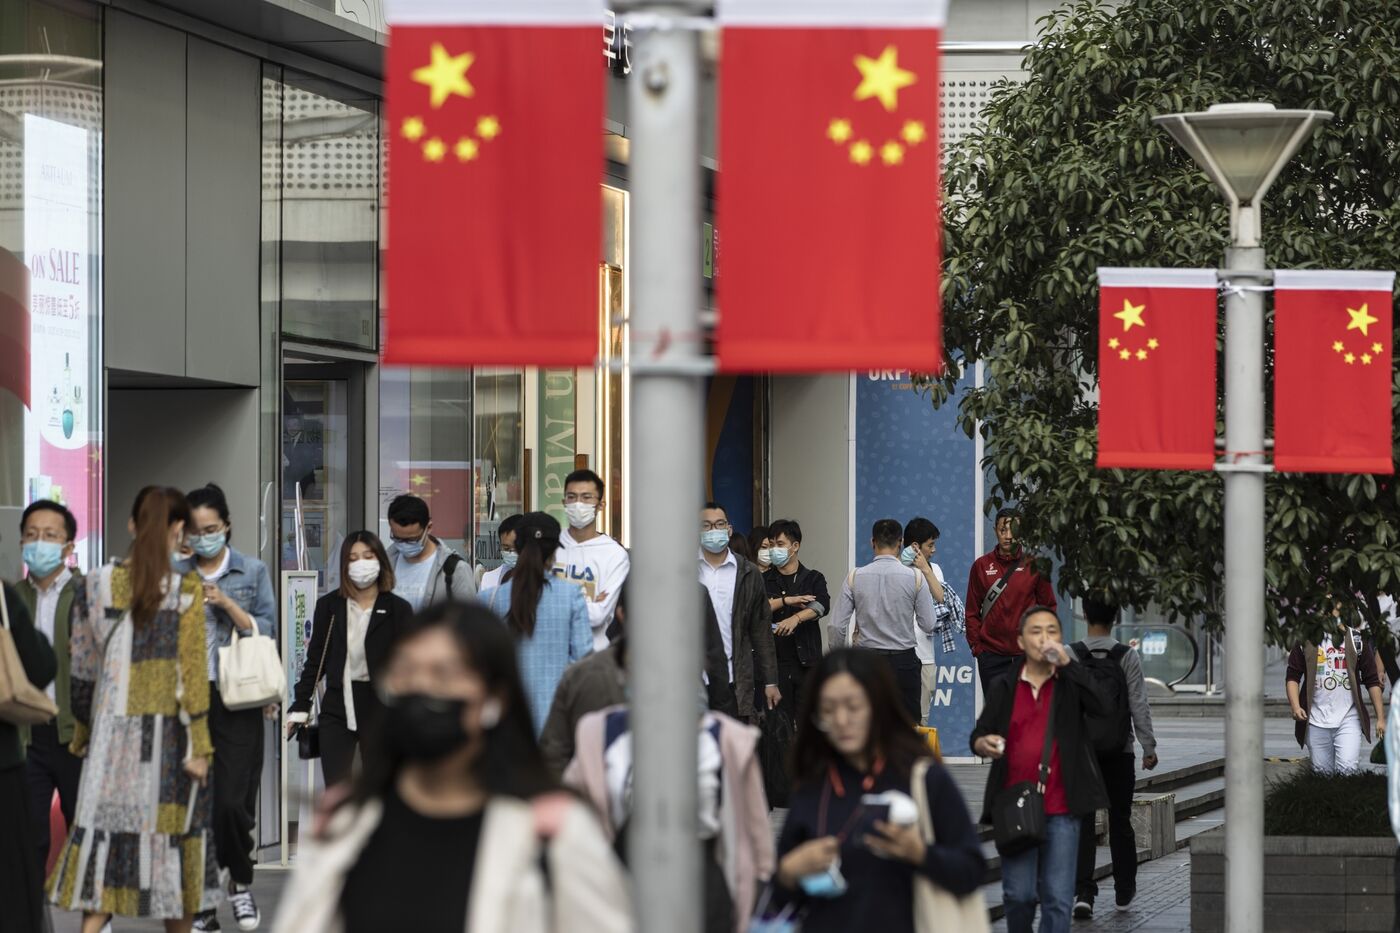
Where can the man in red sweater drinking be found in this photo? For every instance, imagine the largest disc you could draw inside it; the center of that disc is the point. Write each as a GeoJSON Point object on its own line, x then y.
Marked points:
{"type": "Point", "coordinates": [1001, 586]}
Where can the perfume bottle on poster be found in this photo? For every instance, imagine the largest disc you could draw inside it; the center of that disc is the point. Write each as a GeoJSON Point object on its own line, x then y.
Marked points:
{"type": "Point", "coordinates": [67, 399]}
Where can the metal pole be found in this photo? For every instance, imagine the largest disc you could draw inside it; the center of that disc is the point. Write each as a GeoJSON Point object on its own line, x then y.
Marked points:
{"type": "Point", "coordinates": [1244, 594]}
{"type": "Point", "coordinates": [663, 617]}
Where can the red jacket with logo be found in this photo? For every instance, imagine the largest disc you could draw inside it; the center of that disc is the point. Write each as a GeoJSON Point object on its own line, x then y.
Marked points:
{"type": "Point", "coordinates": [998, 632]}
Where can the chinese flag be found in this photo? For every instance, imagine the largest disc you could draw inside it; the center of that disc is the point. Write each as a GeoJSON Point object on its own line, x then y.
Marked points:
{"type": "Point", "coordinates": [1157, 368]}
{"type": "Point", "coordinates": [1332, 371]}
{"type": "Point", "coordinates": [828, 186]}
{"type": "Point", "coordinates": [495, 154]}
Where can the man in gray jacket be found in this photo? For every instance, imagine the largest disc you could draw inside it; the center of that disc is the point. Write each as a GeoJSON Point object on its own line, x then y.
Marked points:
{"type": "Point", "coordinates": [426, 571]}
{"type": "Point", "coordinates": [1119, 777]}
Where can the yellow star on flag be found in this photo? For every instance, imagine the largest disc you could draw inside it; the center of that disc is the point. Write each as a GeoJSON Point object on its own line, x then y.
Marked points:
{"type": "Point", "coordinates": [1361, 320]}
{"type": "Point", "coordinates": [418, 479]}
{"type": "Point", "coordinates": [413, 128]}
{"type": "Point", "coordinates": [1124, 354]}
{"type": "Point", "coordinates": [466, 149]}
{"type": "Point", "coordinates": [488, 128]}
{"type": "Point", "coordinates": [1113, 343]}
{"type": "Point", "coordinates": [1153, 344]}
{"type": "Point", "coordinates": [882, 78]}
{"type": "Point", "coordinates": [445, 75]}
{"type": "Point", "coordinates": [1338, 346]}
{"type": "Point", "coordinates": [1131, 314]}
{"type": "Point", "coordinates": [838, 131]}
{"type": "Point", "coordinates": [1375, 348]}
{"type": "Point", "coordinates": [861, 152]}
{"type": "Point", "coordinates": [1350, 358]}
{"type": "Point", "coordinates": [892, 153]}
{"type": "Point", "coordinates": [913, 132]}
{"type": "Point", "coordinates": [1142, 354]}
{"type": "Point", "coordinates": [434, 149]}
{"type": "Point", "coordinates": [1366, 359]}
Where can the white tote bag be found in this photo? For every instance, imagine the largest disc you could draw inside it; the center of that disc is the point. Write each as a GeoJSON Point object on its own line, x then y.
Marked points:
{"type": "Point", "coordinates": [250, 672]}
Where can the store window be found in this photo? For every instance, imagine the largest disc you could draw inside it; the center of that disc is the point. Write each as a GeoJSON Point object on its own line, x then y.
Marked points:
{"type": "Point", "coordinates": [50, 267]}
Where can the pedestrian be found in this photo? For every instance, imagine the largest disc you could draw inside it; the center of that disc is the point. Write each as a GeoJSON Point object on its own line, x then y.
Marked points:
{"type": "Point", "coordinates": [426, 571]}
{"type": "Point", "coordinates": [1118, 670]}
{"type": "Point", "coordinates": [850, 847]}
{"type": "Point", "coordinates": [888, 602]}
{"type": "Point", "coordinates": [1001, 586]}
{"type": "Point", "coordinates": [920, 537]}
{"type": "Point", "coordinates": [505, 534]}
{"type": "Point", "coordinates": [591, 560]}
{"type": "Point", "coordinates": [735, 835]}
{"type": "Point", "coordinates": [1330, 717]}
{"type": "Point", "coordinates": [1032, 727]}
{"type": "Point", "coordinates": [761, 545]}
{"type": "Point", "coordinates": [739, 544]}
{"type": "Point", "coordinates": [738, 594]}
{"type": "Point", "coordinates": [351, 631]}
{"type": "Point", "coordinates": [142, 841]}
{"type": "Point", "coordinates": [547, 616]}
{"type": "Point", "coordinates": [21, 872]}
{"type": "Point", "coordinates": [798, 599]}
{"type": "Point", "coordinates": [237, 596]}
{"type": "Point", "coordinates": [52, 593]}
{"type": "Point", "coordinates": [455, 823]}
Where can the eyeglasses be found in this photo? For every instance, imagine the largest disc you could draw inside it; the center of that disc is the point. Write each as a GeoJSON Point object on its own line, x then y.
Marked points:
{"type": "Point", "coordinates": [48, 534]}
{"type": "Point", "coordinates": [720, 525]}
{"type": "Point", "coordinates": [587, 498]}
{"type": "Point", "coordinates": [411, 539]}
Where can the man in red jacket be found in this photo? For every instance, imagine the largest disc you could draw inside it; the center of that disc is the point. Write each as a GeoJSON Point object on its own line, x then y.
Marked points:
{"type": "Point", "coordinates": [1001, 586]}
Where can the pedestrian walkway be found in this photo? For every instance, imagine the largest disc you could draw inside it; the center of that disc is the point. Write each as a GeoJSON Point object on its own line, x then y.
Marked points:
{"type": "Point", "coordinates": [1162, 905]}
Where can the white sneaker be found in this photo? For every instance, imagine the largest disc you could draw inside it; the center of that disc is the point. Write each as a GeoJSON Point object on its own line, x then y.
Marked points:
{"type": "Point", "coordinates": [245, 909]}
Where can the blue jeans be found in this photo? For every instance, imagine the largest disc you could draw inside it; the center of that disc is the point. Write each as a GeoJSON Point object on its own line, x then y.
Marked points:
{"type": "Point", "coordinates": [1046, 874]}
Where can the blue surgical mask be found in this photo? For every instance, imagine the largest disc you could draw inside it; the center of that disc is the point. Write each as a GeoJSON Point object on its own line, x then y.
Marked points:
{"type": "Point", "coordinates": [209, 545]}
{"type": "Point", "coordinates": [508, 558]}
{"type": "Point", "coordinates": [411, 549]}
{"type": "Point", "coordinates": [42, 557]}
{"type": "Point", "coordinates": [828, 884]}
{"type": "Point", "coordinates": [779, 556]}
{"type": "Point", "coordinates": [909, 555]}
{"type": "Point", "coordinates": [715, 540]}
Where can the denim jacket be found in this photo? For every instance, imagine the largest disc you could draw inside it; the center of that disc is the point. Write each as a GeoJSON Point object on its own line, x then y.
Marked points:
{"type": "Point", "coordinates": [248, 584]}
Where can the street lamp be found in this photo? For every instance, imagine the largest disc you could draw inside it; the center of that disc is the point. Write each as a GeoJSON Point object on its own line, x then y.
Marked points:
{"type": "Point", "coordinates": [1243, 147]}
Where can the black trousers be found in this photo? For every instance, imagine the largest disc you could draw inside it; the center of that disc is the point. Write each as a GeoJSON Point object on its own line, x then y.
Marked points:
{"type": "Point", "coordinates": [50, 767]}
{"type": "Point", "coordinates": [238, 761]}
{"type": "Point", "coordinates": [338, 743]}
{"type": "Point", "coordinates": [907, 677]}
{"type": "Point", "coordinates": [21, 881]}
{"type": "Point", "coordinates": [1119, 778]}
{"type": "Point", "coordinates": [992, 666]}
{"type": "Point", "coordinates": [791, 675]}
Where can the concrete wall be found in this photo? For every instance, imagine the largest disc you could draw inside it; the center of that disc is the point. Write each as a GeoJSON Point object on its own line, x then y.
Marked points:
{"type": "Point", "coordinates": [810, 436]}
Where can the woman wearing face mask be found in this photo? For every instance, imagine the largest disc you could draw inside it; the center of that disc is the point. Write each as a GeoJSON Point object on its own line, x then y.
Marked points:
{"type": "Point", "coordinates": [761, 545]}
{"type": "Point", "coordinates": [851, 847]}
{"type": "Point", "coordinates": [455, 809]}
{"type": "Point", "coordinates": [142, 843]}
{"type": "Point", "coordinates": [351, 632]}
{"type": "Point", "coordinates": [547, 616]}
{"type": "Point", "coordinates": [505, 534]}
{"type": "Point", "coordinates": [237, 597]}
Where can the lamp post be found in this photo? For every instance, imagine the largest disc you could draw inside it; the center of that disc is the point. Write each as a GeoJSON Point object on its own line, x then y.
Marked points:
{"type": "Point", "coordinates": [1243, 147]}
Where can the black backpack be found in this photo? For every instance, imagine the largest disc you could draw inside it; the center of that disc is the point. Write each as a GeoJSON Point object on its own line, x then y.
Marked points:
{"type": "Point", "coordinates": [1107, 733]}
{"type": "Point", "coordinates": [775, 739]}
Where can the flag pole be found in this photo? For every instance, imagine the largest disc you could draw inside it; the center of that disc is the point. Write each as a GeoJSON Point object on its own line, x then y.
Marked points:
{"type": "Point", "coordinates": [668, 371]}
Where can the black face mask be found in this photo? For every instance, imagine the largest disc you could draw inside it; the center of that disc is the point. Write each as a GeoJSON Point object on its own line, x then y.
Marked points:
{"type": "Point", "coordinates": [424, 728]}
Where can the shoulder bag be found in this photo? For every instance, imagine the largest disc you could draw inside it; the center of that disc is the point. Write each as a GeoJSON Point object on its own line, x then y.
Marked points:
{"type": "Point", "coordinates": [1018, 811]}
{"type": "Point", "coordinates": [998, 588]}
{"type": "Point", "coordinates": [21, 703]}
{"type": "Point", "coordinates": [935, 909]}
{"type": "Point", "coordinates": [250, 671]}
{"type": "Point", "coordinates": [309, 735]}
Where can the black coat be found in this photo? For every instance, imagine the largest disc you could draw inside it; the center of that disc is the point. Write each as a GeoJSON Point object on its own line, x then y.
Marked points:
{"type": "Point", "coordinates": [1076, 695]}
{"type": "Point", "coordinates": [36, 657]}
{"type": "Point", "coordinates": [388, 618]}
{"type": "Point", "coordinates": [806, 582]}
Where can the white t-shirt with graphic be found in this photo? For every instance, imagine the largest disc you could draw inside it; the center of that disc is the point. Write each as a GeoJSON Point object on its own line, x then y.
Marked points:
{"type": "Point", "coordinates": [1332, 702]}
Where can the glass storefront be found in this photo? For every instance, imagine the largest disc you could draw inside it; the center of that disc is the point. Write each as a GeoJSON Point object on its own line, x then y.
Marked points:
{"type": "Point", "coordinates": [50, 267]}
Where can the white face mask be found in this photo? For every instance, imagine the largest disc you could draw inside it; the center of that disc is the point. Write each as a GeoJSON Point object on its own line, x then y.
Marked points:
{"type": "Point", "coordinates": [581, 514]}
{"type": "Point", "coordinates": [364, 572]}
{"type": "Point", "coordinates": [764, 557]}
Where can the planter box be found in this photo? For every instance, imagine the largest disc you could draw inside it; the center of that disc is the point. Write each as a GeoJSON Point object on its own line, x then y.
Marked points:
{"type": "Point", "coordinates": [1312, 884]}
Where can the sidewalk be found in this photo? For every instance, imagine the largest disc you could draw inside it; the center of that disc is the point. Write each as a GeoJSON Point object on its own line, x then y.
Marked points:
{"type": "Point", "coordinates": [1162, 905]}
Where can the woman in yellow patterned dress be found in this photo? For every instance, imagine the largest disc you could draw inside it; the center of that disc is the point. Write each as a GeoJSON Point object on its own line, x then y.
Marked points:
{"type": "Point", "coordinates": [142, 844]}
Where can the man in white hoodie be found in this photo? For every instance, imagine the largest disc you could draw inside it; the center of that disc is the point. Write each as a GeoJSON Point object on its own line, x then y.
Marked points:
{"type": "Point", "coordinates": [589, 558]}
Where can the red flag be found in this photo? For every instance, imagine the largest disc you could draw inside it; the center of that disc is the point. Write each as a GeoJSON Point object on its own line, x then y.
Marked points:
{"type": "Point", "coordinates": [828, 186]}
{"type": "Point", "coordinates": [495, 215]}
{"type": "Point", "coordinates": [1332, 371]}
{"type": "Point", "coordinates": [1157, 368]}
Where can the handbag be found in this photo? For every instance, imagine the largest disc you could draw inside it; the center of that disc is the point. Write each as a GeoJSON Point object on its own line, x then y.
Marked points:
{"type": "Point", "coordinates": [1018, 811]}
{"type": "Point", "coordinates": [935, 909]}
{"type": "Point", "coordinates": [21, 703]}
{"type": "Point", "coordinates": [250, 671]}
{"type": "Point", "coordinates": [309, 735]}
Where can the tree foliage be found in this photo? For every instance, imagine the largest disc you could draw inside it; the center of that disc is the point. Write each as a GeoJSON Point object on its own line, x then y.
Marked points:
{"type": "Point", "coordinates": [1067, 173]}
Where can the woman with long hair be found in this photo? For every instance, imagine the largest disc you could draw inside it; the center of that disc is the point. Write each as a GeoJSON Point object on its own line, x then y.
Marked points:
{"type": "Point", "coordinates": [851, 846]}
{"type": "Point", "coordinates": [548, 616]}
{"type": "Point", "coordinates": [142, 842]}
{"type": "Point", "coordinates": [455, 810]}
{"type": "Point", "coordinates": [351, 632]}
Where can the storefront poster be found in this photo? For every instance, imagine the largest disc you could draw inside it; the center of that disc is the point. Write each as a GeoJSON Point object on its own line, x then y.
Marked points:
{"type": "Point", "coordinates": [298, 607]}
{"type": "Point", "coordinates": [558, 443]}
{"type": "Point", "coordinates": [914, 460]}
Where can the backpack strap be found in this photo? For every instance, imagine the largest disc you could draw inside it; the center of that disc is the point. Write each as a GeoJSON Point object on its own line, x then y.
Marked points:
{"type": "Point", "coordinates": [998, 588]}
{"type": "Point", "coordinates": [449, 567]}
{"type": "Point", "coordinates": [1118, 652]}
{"type": "Point", "coordinates": [1081, 649]}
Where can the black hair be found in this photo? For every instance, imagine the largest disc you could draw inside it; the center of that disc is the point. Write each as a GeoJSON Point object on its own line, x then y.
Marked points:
{"type": "Point", "coordinates": [70, 524]}
{"type": "Point", "coordinates": [510, 762]}
{"type": "Point", "coordinates": [1100, 612]}
{"type": "Point", "coordinates": [892, 734]}
{"type": "Point", "coordinates": [919, 530]}
{"type": "Point", "coordinates": [740, 545]}
{"type": "Point", "coordinates": [756, 536]}
{"type": "Point", "coordinates": [887, 533]}
{"type": "Point", "coordinates": [788, 527]}
{"type": "Point", "coordinates": [385, 581]}
{"type": "Point", "coordinates": [508, 524]}
{"type": "Point", "coordinates": [536, 540]}
{"type": "Point", "coordinates": [712, 504]}
{"type": "Point", "coordinates": [210, 496]}
{"type": "Point", "coordinates": [1035, 610]}
{"type": "Point", "coordinates": [585, 476]}
{"type": "Point", "coordinates": [408, 510]}
{"type": "Point", "coordinates": [1010, 512]}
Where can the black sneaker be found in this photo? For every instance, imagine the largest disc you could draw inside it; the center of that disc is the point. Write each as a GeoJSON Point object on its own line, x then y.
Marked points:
{"type": "Point", "coordinates": [1122, 900]}
{"type": "Point", "coordinates": [245, 909]}
{"type": "Point", "coordinates": [206, 921]}
{"type": "Point", "coordinates": [1083, 909]}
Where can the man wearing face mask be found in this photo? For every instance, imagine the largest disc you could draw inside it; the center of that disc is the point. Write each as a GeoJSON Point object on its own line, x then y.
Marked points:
{"type": "Point", "coordinates": [738, 593]}
{"type": "Point", "coordinates": [797, 597]}
{"type": "Point", "coordinates": [53, 593]}
{"type": "Point", "coordinates": [919, 537]}
{"type": "Point", "coordinates": [426, 570]}
{"type": "Point", "coordinates": [589, 558]}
